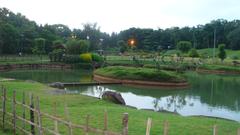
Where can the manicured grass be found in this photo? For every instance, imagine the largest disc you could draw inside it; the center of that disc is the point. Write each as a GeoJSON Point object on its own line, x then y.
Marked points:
{"type": "Point", "coordinates": [133, 73]}
{"type": "Point", "coordinates": [26, 59]}
{"type": "Point", "coordinates": [79, 106]}
{"type": "Point", "coordinates": [220, 67]}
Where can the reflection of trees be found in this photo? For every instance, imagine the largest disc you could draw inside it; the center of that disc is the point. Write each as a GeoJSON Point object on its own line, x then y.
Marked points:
{"type": "Point", "coordinates": [217, 90]}
{"type": "Point", "coordinates": [174, 101]}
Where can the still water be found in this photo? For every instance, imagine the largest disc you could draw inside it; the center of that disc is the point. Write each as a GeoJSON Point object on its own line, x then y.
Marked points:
{"type": "Point", "coordinates": [208, 95]}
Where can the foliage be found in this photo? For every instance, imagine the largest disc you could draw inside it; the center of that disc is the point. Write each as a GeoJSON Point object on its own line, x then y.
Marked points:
{"type": "Point", "coordinates": [134, 73]}
{"type": "Point", "coordinates": [184, 46]}
{"type": "Point", "coordinates": [8, 39]}
{"type": "Point", "coordinates": [233, 38]}
{"type": "Point", "coordinates": [17, 34]}
{"type": "Point", "coordinates": [86, 57]}
{"type": "Point", "coordinates": [222, 53]}
{"type": "Point", "coordinates": [220, 67]}
{"type": "Point", "coordinates": [122, 45]}
{"type": "Point", "coordinates": [39, 46]}
{"type": "Point", "coordinates": [77, 46]}
{"type": "Point", "coordinates": [97, 58]}
{"type": "Point", "coordinates": [193, 53]}
{"type": "Point", "coordinates": [71, 59]}
{"type": "Point", "coordinates": [56, 55]}
{"type": "Point", "coordinates": [57, 44]}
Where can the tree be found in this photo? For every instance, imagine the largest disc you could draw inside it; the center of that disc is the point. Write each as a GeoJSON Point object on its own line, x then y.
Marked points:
{"type": "Point", "coordinates": [193, 53]}
{"type": "Point", "coordinates": [222, 53]}
{"type": "Point", "coordinates": [234, 39]}
{"type": "Point", "coordinates": [93, 33]}
{"type": "Point", "coordinates": [39, 46]}
{"type": "Point", "coordinates": [9, 38]}
{"type": "Point", "coordinates": [75, 46]}
{"type": "Point", "coordinates": [184, 46]}
{"type": "Point", "coordinates": [123, 46]}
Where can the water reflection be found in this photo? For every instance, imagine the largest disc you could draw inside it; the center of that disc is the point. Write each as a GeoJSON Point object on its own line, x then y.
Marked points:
{"type": "Point", "coordinates": [209, 95]}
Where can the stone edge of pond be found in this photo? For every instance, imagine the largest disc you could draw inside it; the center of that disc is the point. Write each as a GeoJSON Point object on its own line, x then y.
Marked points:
{"type": "Point", "coordinates": [101, 78]}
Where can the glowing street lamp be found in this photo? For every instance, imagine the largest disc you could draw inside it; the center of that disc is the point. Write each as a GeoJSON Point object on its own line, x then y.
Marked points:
{"type": "Point", "coordinates": [132, 42]}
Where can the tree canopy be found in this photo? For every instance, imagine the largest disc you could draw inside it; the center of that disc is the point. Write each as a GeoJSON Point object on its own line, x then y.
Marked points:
{"type": "Point", "coordinates": [18, 34]}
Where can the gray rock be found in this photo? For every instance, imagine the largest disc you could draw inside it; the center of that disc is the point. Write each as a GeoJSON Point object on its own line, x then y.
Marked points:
{"type": "Point", "coordinates": [113, 97]}
{"type": "Point", "coordinates": [57, 85]}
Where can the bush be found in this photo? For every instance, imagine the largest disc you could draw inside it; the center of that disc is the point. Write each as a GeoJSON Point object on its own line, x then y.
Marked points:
{"type": "Point", "coordinates": [97, 58]}
{"type": "Point", "coordinates": [235, 57]}
{"type": "Point", "coordinates": [77, 46]}
{"type": "Point", "coordinates": [56, 55]}
{"type": "Point", "coordinates": [193, 53]}
{"type": "Point", "coordinates": [71, 59]}
{"type": "Point", "coordinates": [184, 46]}
{"type": "Point", "coordinates": [86, 57]}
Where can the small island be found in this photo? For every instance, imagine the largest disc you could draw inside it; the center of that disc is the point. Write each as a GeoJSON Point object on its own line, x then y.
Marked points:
{"type": "Point", "coordinates": [140, 76]}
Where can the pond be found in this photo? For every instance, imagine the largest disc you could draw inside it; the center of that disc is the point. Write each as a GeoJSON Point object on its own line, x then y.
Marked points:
{"type": "Point", "coordinates": [208, 95]}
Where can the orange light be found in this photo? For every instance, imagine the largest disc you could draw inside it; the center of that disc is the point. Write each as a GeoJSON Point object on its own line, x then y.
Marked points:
{"type": "Point", "coordinates": [131, 42]}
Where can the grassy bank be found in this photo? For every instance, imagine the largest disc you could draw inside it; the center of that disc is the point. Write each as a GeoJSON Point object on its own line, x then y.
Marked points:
{"type": "Point", "coordinates": [80, 106]}
{"type": "Point", "coordinates": [132, 73]}
{"type": "Point", "coordinates": [25, 59]}
{"type": "Point", "coordinates": [220, 68]}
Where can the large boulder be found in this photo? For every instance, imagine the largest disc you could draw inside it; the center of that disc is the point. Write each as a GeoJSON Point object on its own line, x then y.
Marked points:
{"type": "Point", "coordinates": [57, 85]}
{"type": "Point", "coordinates": [113, 97]}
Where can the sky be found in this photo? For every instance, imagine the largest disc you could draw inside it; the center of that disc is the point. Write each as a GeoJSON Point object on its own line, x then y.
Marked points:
{"type": "Point", "coordinates": [117, 15]}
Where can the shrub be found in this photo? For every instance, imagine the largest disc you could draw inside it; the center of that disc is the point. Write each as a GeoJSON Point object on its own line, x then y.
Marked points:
{"type": "Point", "coordinates": [193, 53]}
{"type": "Point", "coordinates": [86, 57]}
{"type": "Point", "coordinates": [184, 46]}
{"type": "Point", "coordinates": [56, 55]}
{"type": "Point", "coordinates": [77, 46]}
{"type": "Point", "coordinates": [235, 57]}
{"type": "Point", "coordinates": [222, 53]}
{"type": "Point", "coordinates": [97, 58]}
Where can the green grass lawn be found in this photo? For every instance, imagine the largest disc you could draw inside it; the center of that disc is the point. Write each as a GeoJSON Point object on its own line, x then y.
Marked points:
{"type": "Point", "coordinates": [79, 106]}
{"type": "Point", "coordinates": [25, 59]}
{"type": "Point", "coordinates": [134, 73]}
{"type": "Point", "coordinates": [221, 67]}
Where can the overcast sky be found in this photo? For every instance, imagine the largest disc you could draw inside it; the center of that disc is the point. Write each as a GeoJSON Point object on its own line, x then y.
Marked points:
{"type": "Point", "coordinates": [117, 15]}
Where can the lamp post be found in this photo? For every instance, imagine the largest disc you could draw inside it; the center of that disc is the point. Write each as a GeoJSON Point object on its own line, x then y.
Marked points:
{"type": "Point", "coordinates": [100, 44]}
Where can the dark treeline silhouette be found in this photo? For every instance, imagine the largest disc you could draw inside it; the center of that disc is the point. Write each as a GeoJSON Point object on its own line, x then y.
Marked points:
{"type": "Point", "coordinates": [18, 33]}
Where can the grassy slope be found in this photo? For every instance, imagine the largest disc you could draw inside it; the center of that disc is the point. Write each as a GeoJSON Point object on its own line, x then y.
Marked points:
{"type": "Point", "coordinates": [80, 106]}
{"type": "Point", "coordinates": [221, 67]}
{"type": "Point", "coordinates": [26, 59]}
{"type": "Point", "coordinates": [209, 52]}
{"type": "Point", "coordinates": [131, 73]}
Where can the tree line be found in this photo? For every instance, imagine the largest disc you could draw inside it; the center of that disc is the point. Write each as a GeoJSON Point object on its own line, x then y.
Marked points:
{"type": "Point", "coordinates": [19, 34]}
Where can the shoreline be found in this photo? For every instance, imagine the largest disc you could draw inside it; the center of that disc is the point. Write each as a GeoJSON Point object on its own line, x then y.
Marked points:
{"type": "Point", "coordinates": [8, 67]}
{"type": "Point", "coordinates": [101, 78]}
{"type": "Point", "coordinates": [221, 72]}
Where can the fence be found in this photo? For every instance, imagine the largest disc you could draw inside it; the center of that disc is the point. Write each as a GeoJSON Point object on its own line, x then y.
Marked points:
{"type": "Point", "coordinates": [34, 125]}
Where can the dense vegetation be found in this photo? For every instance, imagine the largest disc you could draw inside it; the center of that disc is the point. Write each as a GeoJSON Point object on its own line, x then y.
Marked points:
{"type": "Point", "coordinates": [133, 73]}
{"type": "Point", "coordinates": [19, 34]}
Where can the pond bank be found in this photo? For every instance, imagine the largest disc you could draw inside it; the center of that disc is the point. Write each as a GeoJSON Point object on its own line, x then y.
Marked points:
{"type": "Point", "coordinates": [34, 66]}
{"type": "Point", "coordinates": [200, 70]}
{"type": "Point", "coordinates": [138, 82]}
